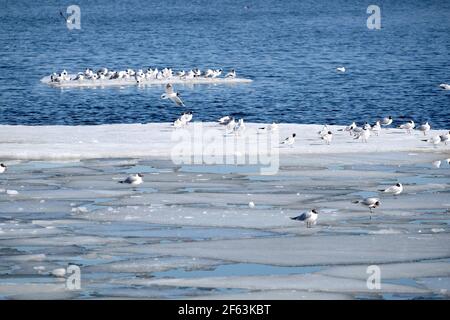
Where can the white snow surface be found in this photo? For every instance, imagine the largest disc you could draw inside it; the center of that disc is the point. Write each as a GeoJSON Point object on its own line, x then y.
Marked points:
{"type": "Point", "coordinates": [159, 139]}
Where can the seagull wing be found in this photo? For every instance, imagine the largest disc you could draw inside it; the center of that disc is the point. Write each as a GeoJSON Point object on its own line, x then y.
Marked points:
{"type": "Point", "coordinates": [302, 217]}
{"type": "Point", "coordinates": [177, 100]}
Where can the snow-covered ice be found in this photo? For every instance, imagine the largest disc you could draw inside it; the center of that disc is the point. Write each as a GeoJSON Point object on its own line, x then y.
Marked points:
{"type": "Point", "coordinates": [188, 228]}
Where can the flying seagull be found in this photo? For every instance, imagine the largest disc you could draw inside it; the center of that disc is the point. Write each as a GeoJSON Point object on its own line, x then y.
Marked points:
{"type": "Point", "coordinates": [172, 95]}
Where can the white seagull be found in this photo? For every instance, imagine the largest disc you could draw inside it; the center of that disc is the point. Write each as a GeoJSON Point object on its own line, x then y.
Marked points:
{"type": "Point", "coordinates": [445, 86]}
{"type": "Point", "coordinates": [231, 74]}
{"type": "Point", "coordinates": [269, 128]}
{"type": "Point", "coordinates": [289, 141]}
{"type": "Point", "coordinates": [363, 135]}
{"type": "Point", "coordinates": [2, 167]}
{"type": "Point", "coordinates": [395, 189]}
{"type": "Point", "coordinates": [434, 140]}
{"type": "Point", "coordinates": [376, 128]}
{"type": "Point", "coordinates": [408, 126]}
{"type": "Point", "coordinates": [371, 203]}
{"type": "Point", "coordinates": [327, 137]}
{"type": "Point", "coordinates": [340, 69]}
{"type": "Point", "coordinates": [310, 217]}
{"type": "Point", "coordinates": [445, 137]}
{"type": "Point", "coordinates": [172, 95]}
{"type": "Point", "coordinates": [224, 120]}
{"type": "Point", "coordinates": [133, 179]}
{"type": "Point", "coordinates": [387, 121]}
{"type": "Point", "coordinates": [186, 117]}
{"type": "Point", "coordinates": [424, 128]}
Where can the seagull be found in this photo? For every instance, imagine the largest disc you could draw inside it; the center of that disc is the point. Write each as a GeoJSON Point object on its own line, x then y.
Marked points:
{"type": "Point", "coordinates": [134, 179]}
{"type": "Point", "coordinates": [371, 203]}
{"type": "Point", "coordinates": [408, 126]}
{"type": "Point", "coordinates": [231, 125]}
{"type": "Point", "coordinates": [272, 128]}
{"type": "Point", "coordinates": [367, 126]}
{"type": "Point", "coordinates": [340, 69]}
{"type": "Point", "coordinates": [445, 86]}
{"type": "Point", "coordinates": [445, 137]}
{"type": "Point", "coordinates": [240, 127]}
{"type": "Point", "coordinates": [289, 140]}
{"type": "Point", "coordinates": [363, 135]}
{"type": "Point", "coordinates": [327, 137]}
{"type": "Point", "coordinates": [186, 117]}
{"type": "Point", "coordinates": [170, 94]}
{"type": "Point", "coordinates": [376, 128]}
{"type": "Point", "coordinates": [224, 120]}
{"type": "Point", "coordinates": [2, 167]}
{"type": "Point", "coordinates": [324, 131]}
{"type": "Point", "coordinates": [395, 189]}
{"type": "Point", "coordinates": [434, 140]}
{"type": "Point", "coordinates": [217, 73]}
{"type": "Point", "coordinates": [424, 128]}
{"type": "Point", "coordinates": [310, 217]}
{"type": "Point", "coordinates": [350, 128]}
{"type": "Point", "coordinates": [387, 121]}
{"type": "Point", "coordinates": [209, 73]}
{"type": "Point", "coordinates": [231, 74]}
{"type": "Point", "coordinates": [178, 123]}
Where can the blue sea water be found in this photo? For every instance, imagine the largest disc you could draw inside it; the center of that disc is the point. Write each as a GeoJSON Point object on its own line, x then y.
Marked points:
{"type": "Point", "coordinates": [289, 48]}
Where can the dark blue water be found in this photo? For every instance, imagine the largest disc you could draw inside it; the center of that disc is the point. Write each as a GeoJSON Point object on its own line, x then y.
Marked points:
{"type": "Point", "coordinates": [290, 49]}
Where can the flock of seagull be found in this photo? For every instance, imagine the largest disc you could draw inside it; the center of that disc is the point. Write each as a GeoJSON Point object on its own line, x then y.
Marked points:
{"type": "Point", "coordinates": [361, 133]}
{"type": "Point", "coordinates": [140, 75]}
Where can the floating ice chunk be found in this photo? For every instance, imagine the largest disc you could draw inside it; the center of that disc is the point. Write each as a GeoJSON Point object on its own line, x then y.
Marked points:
{"type": "Point", "coordinates": [251, 204]}
{"type": "Point", "coordinates": [59, 272]}
{"type": "Point", "coordinates": [12, 192]}
{"type": "Point", "coordinates": [436, 230]}
{"type": "Point", "coordinates": [79, 210]}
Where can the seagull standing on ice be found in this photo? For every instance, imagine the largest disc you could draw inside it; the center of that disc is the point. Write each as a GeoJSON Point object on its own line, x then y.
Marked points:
{"type": "Point", "coordinates": [2, 168]}
{"type": "Point", "coordinates": [133, 179]}
{"type": "Point", "coordinates": [445, 137]}
{"type": "Point", "coordinates": [178, 123]}
{"type": "Point", "coordinates": [376, 128]}
{"type": "Point", "coordinates": [310, 217]}
{"type": "Point", "coordinates": [231, 125]}
{"type": "Point", "coordinates": [387, 121]}
{"type": "Point", "coordinates": [424, 128]}
{"type": "Point", "coordinates": [289, 141]}
{"type": "Point", "coordinates": [324, 131]}
{"type": "Point", "coordinates": [172, 95]}
{"type": "Point", "coordinates": [395, 189]}
{"type": "Point", "coordinates": [371, 203]}
{"type": "Point", "coordinates": [434, 140]}
{"type": "Point", "coordinates": [408, 126]}
{"type": "Point", "coordinates": [340, 69]}
{"type": "Point", "coordinates": [350, 128]}
{"type": "Point", "coordinates": [363, 135]}
{"type": "Point", "coordinates": [186, 117]}
{"type": "Point", "coordinates": [272, 128]}
{"type": "Point", "coordinates": [231, 74]}
{"type": "Point", "coordinates": [327, 137]}
{"type": "Point", "coordinates": [224, 120]}
{"type": "Point", "coordinates": [217, 73]}
{"type": "Point", "coordinates": [240, 127]}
